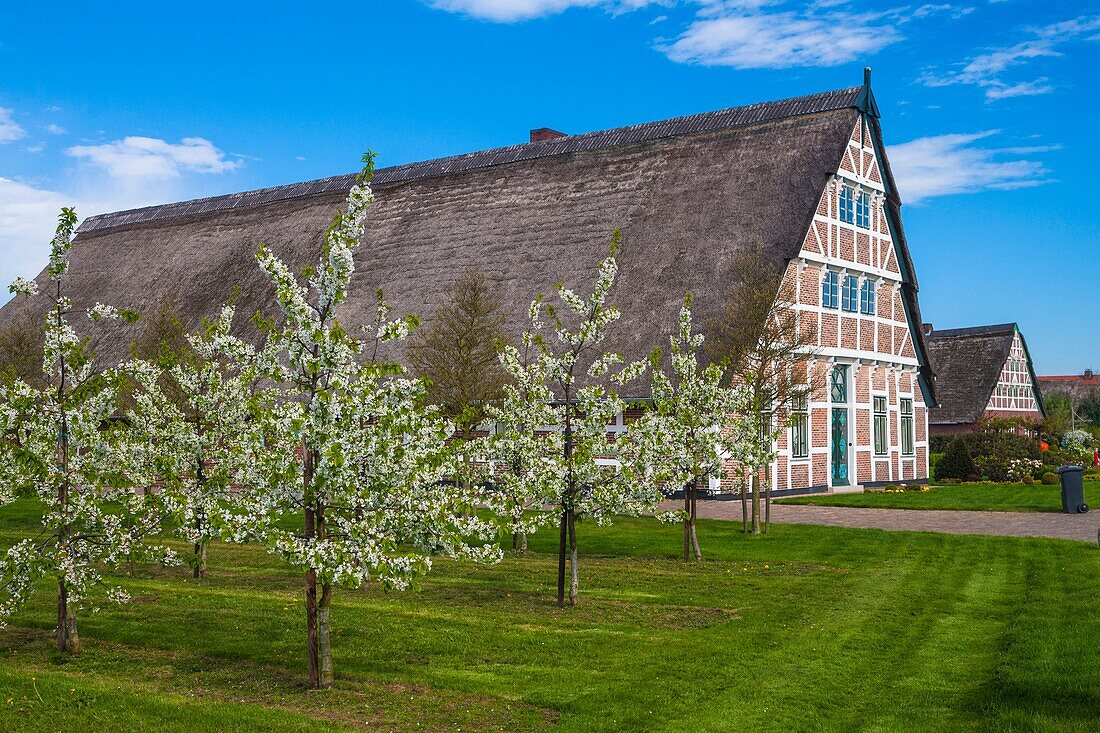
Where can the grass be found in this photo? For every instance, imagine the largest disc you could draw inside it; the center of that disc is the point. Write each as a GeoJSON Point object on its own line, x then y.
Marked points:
{"type": "Point", "coordinates": [984, 497]}
{"type": "Point", "coordinates": [808, 629]}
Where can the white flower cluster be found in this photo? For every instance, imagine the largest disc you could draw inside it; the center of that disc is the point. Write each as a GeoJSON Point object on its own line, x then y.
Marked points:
{"type": "Point", "coordinates": [99, 311]}
{"type": "Point", "coordinates": [24, 287]}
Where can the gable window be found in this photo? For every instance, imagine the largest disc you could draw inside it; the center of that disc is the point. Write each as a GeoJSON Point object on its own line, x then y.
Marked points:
{"type": "Point", "coordinates": [880, 426]}
{"type": "Point", "coordinates": [847, 204]}
{"type": "Point", "coordinates": [906, 426]}
{"type": "Point", "coordinates": [867, 297]}
{"type": "Point", "coordinates": [800, 426]}
{"type": "Point", "coordinates": [849, 294]}
{"type": "Point", "coordinates": [863, 210]}
{"type": "Point", "coordinates": [830, 290]}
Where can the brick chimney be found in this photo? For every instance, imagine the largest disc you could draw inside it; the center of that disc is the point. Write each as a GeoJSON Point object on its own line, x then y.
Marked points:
{"type": "Point", "coordinates": [1088, 375]}
{"type": "Point", "coordinates": [543, 134]}
{"type": "Point", "coordinates": [927, 328]}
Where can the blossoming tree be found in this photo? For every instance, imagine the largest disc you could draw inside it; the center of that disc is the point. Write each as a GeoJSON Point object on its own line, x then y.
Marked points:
{"type": "Point", "coordinates": [521, 447]}
{"type": "Point", "coordinates": [682, 440]}
{"type": "Point", "coordinates": [766, 349]}
{"type": "Point", "coordinates": [351, 445]}
{"type": "Point", "coordinates": [203, 438]}
{"type": "Point", "coordinates": [566, 390]}
{"type": "Point", "coordinates": [61, 445]}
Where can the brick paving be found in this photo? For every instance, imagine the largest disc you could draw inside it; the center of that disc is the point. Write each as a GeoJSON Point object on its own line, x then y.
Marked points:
{"type": "Point", "coordinates": [1082, 527]}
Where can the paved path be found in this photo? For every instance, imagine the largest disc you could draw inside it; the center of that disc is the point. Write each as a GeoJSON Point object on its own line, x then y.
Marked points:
{"type": "Point", "coordinates": [1083, 527]}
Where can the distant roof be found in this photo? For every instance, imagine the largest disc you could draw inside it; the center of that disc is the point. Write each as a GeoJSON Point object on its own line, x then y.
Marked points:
{"type": "Point", "coordinates": [691, 195]}
{"type": "Point", "coordinates": [705, 122]}
{"type": "Point", "coordinates": [1090, 379]}
{"type": "Point", "coordinates": [968, 364]}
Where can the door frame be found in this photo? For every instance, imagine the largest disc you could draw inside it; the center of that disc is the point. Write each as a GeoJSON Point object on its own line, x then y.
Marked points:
{"type": "Point", "coordinates": [846, 406]}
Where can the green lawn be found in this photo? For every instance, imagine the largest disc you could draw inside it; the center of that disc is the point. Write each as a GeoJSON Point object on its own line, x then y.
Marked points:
{"type": "Point", "coordinates": [988, 497]}
{"type": "Point", "coordinates": [809, 629]}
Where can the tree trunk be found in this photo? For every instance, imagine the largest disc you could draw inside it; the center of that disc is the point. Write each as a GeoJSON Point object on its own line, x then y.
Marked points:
{"type": "Point", "coordinates": [563, 533]}
{"type": "Point", "coordinates": [523, 543]}
{"type": "Point", "coordinates": [755, 502]}
{"type": "Point", "coordinates": [744, 509]}
{"type": "Point", "coordinates": [574, 582]}
{"type": "Point", "coordinates": [324, 639]}
{"type": "Point", "coordinates": [68, 640]}
{"type": "Point", "coordinates": [694, 516]}
{"type": "Point", "coordinates": [200, 560]}
{"type": "Point", "coordinates": [200, 517]}
{"type": "Point", "coordinates": [687, 522]}
{"type": "Point", "coordinates": [311, 629]}
{"type": "Point", "coordinates": [768, 507]}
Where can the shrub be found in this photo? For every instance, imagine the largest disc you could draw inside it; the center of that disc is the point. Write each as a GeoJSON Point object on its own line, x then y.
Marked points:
{"type": "Point", "coordinates": [957, 462]}
{"type": "Point", "coordinates": [949, 481]}
{"type": "Point", "coordinates": [1077, 441]}
{"type": "Point", "coordinates": [992, 468]}
{"type": "Point", "coordinates": [1027, 480]}
{"type": "Point", "coordinates": [1050, 479]}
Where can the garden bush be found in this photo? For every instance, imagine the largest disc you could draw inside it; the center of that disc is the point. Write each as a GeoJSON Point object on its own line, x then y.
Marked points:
{"type": "Point", "coordinates": [1077, 441]}
{"type": "Point", "coordinates": [1027, 480]}
{"type": "Point", "coordinates": [933, 459]}
{"type": "Point", "coordinates": [1050, 479]}
{"type": "Point", "coordinates": [957, 462]}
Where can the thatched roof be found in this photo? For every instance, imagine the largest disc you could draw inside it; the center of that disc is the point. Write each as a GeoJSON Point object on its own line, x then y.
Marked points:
{"type": "Point", "coordinates": [690, 194]}
{"type": "Point", "coordinates": [968, 364]}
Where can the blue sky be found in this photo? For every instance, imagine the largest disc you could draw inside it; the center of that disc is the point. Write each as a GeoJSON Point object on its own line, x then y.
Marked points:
{"type": "Point", "coordinates": [989, 109]}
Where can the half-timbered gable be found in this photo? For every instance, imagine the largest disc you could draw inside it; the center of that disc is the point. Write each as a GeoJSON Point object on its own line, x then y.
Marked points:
{"type": "Point", "coordinates": [869, 411]}
{"type": "Point", "coordinates": [804, 179]}
{"type": "Point", "coordinates": [982, 373]}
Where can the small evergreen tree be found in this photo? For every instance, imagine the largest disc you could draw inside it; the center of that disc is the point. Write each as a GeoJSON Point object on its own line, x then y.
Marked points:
{"type": "Point", "coordinates": [455, 354]}
{"type": "Point", "coordinates": [957, 463]}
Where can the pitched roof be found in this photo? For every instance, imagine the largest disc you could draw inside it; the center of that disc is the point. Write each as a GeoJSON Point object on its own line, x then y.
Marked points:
{"type": "Point", "coordinates": [968, 364]}
{"type": "Point", "coordinates": [704, 122]}
{"type": "Point", "coordinates": [691, 195]}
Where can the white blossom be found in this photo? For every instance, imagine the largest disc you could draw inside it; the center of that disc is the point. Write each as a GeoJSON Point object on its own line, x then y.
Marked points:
{"type": "Point", "coordinates": [22, 286]}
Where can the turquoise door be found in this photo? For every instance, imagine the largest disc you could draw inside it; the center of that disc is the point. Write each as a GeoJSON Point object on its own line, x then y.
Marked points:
{"type": "Point", "coordinates": [838, 433]}
{"type": "Point", "coordinates": [839, 442]}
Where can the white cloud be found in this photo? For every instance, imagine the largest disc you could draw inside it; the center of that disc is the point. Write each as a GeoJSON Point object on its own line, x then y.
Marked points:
{"type": "Point", "coordinates": [954, 11]}
{"type": "Point", "coordinates": [28, 216]}
{"type": "Point", "coordinates": [510, 11]}
{"type": "Point", "coordinates": [10, 131]}
{"type": "Point", "coordinates": [56, 129]}
{"type": "Point", "coordinates": [1020, 89]}
{"type": "Point", "coordinates": [36, 148]}
{"type": "Point", "coordinates": [143, 158]}
{"type": "Point", "coordinates": [986, 70]}
{"type": "Point", "coordinates": [941, 165]}
{"type": "Point", "coordinates": [776, 40]}
{"type": "Point", "coordinates": [125, 174]}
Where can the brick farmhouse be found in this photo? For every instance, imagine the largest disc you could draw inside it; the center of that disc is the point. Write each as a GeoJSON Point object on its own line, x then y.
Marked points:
{"type": "Point", "coordinates": [982, 373]}
{"type": "Point", "coordinates": [805, 180]}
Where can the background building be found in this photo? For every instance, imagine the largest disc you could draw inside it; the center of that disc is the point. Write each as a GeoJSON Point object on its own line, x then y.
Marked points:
{"type": "Point", "coordinates": [982, 373]}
